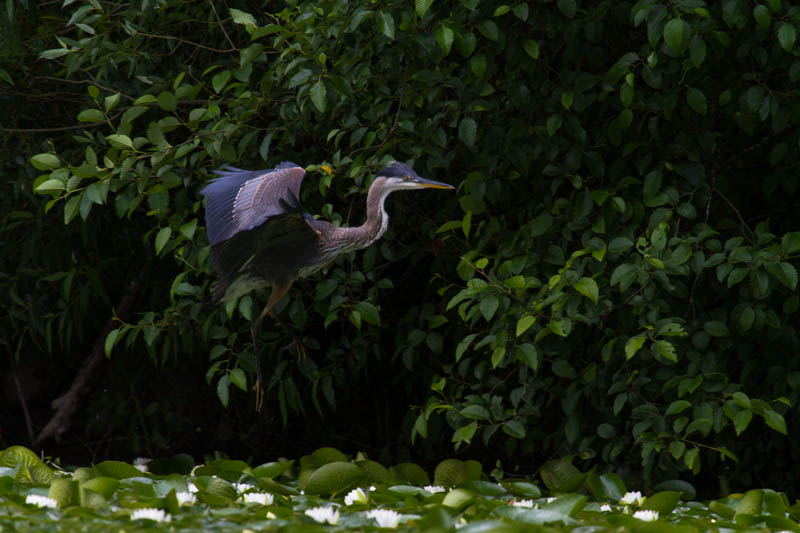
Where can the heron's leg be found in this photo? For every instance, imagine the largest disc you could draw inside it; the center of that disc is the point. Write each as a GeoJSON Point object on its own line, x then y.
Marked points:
{"type": "Point", "coordinates": [278, 290]}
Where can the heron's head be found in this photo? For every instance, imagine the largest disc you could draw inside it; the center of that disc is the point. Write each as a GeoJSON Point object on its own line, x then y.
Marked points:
{"type": "Point", "coordinates": [399, 176]}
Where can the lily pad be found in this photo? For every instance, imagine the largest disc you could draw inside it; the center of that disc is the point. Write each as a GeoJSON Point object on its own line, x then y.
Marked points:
{"type": "Point", "coordinates": [452, 472]}
{"type": "Point", "coordinates": [117, 469]}
{"type": "Point", "coordinates": [334, 478]}
{"type": "Point", "coordinates": [411, 473]}
{"type": "Point", "coordinates": [561, 476]}
{"type": "Point", "coordinates": [377, 474]}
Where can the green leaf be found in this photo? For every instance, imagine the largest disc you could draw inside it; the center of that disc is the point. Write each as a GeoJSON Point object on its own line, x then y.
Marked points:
{"type": "Point", "coordinates": [677, 406]}
{"type": "Point", "coordinates": [762, 16]}
{"type": "Point", "coordinates": [489, 30]}
{"type": "Point", "coordinates": [319, 96]}
{"type": "Point", "coordinates": [697, 100]}
{"type": "Point", "coordinates": [223, 389]}
{"type": "Point", "coordinates": [465, 433]}
{"type": "Point", "coordinates": [91, 115]}
{"type": "Point", "coordinates": [386, 24]}
{"type": "Point", "coordinates": [71, 208]}
{"type": "Point", "coordinates": [697, 51]}
{"type": "Point", "coordinates": [527, 354]}
{"type": "Point", "coordinates": [475, 412]}
{"type": "Point", "coordinates": [666, 350]}
{"type": "Point", "coordinates": [54, 53]}
{"type": "Point", "coordinates": [444, 36]}
{"type": "Point", "coordinates": [787, 35]}
{"type": "Point", "coordinates": [167, 101]}
{"type": "Point", "coordinates": [489, 306]}
{"type": "Point", "coordinates": [567, 7]}
{"type": "Point", "coordinates": [633, 345]}
{"type": "Point", "coordinates": [421, 7]}
{"type": "Point", "coordinates": [111, 340]}
{"type": "Point", "coordinates": [369, 313]}
{"type": "Point", "coordinates": [218, 82]}
{"type": "Point", "coordinates": [531, 48]}
{"type": "Point", "coordinates": [120, 141]}
{"type": "Point", "coordinates": [673, 34]}
{"type": "Point", "coordinates": [240, 17]}
{"type": "Point", "coordinates": [468, 131]}
{"type": "Point", "coordinates": [790, 242]}
{"type": "Point", "coordinates": [775, 421]}
{"type": "Point", "coordinates": [478, 65]}
{"type": "Point", "coordinates": [514, 428]}
{"type": "Point", "coordinates": [587, 287]}
{"type": "Point", "coordinates": [162, 238]}
{"type": "Point", "coordinates": [238, 378]}
{"type": "Point", "coordinates": [50, 186]}
{"type": "Point", "coordinates": [524, 323]}
{"type": "Point", "coordinates": [46, 162]}
{"type": "Point", "coordinates": [786, 274]}
{"type": "Point", "coordinates": [716, 328]}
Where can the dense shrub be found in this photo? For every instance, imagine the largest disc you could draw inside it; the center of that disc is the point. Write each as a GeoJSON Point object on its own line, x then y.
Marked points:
{"type": "Point", "coordinates": [616, 274]}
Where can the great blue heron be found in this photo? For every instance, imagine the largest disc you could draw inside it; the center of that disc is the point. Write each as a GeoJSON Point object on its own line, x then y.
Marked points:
{"type": "Point", "coordinates": [260, 236]}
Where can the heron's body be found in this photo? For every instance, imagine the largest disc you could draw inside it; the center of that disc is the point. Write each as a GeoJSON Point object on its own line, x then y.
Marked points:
{"type": "Point", "coordinates": [261, 237]}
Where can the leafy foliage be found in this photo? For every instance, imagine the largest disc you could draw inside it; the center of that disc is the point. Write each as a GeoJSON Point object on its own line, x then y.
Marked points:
{"type": "Point", "coordinates": [610, 277]}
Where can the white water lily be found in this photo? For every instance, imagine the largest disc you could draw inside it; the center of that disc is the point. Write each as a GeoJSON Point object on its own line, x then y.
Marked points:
{"type": "Point", "coordinates": [631, 498]}
{"type": "Point", "coordinates": [324, 515]}
{"type": "Point", "coordinates": [186, 498]}
{"type": "Point", "coordinates": [156, 515]}
{"type": "Point", "coordinates": [140, 463]}
{"type": "Point", "coordinates": [522, 503]}
{"type": "Point", "coordinates": [356, 495]}
{"type": "Point", "coordinates": [433, 489]}
{"type": "Point", "coordinates": [384, 517]}
{"type": "Point", "coordinates": [192, 487]}
{"type": "Point", "coordinates": [605, 508]}
{"type": "Point", "coordinates": [243, 487]}
{"type": "Point", "coordinates": [646, 515]}
{"type": "Point", "coordinates": [40, 501]}
{"type": "Point", "coordinates": [261, 498]}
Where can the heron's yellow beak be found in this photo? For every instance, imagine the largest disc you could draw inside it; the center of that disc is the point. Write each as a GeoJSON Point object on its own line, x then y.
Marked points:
{"type": "Point", "coordinates": [430, 184]}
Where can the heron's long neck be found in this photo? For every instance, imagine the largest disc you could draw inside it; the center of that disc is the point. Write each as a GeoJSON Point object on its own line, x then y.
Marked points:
{"type": "Point", "coordinates": [375, 225]}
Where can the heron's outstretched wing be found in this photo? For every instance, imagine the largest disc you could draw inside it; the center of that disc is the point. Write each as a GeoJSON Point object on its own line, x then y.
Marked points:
{"type": "Point", "coordinates": [241, 200]}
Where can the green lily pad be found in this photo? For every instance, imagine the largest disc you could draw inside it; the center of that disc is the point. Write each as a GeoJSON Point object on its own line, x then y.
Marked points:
{"type": "Point", "coordinates": [663, 502]}
{"type": "Point", "coordinates": [522, 489]}
{"type": "Point", "coordinates": [750, 504]}
{"type": "Point", "coordinates": [30, 469]}
{"type": "Point", "coordinates": [117, 469]}
{"type": "Point", "coordinates": [560, 475]}
{"type": "Point", "coordinates": [64, 491]}
{"type": "Point", "coordinates": [219, 489]}
{"type": "Point", "coordinates": [452, 472]}
{"type": "Point", "coordinates": [411, 473]}
{"type": "Point", "coordinates": [377, 474]}
{"type": "Point", "coordinates": [105, 486]}
{"type": "Point", "coordinates": [322, 456]}
{"type": "Point", "coordinates": [334, 478]}
{"type": "Point", "coordinates": [272, 470]}
{"type": "Point", "coordinates": [457, 498]}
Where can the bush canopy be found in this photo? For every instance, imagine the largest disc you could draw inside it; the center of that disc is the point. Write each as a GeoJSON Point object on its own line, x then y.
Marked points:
{"type": "Point", "coordinates": [615, 279]}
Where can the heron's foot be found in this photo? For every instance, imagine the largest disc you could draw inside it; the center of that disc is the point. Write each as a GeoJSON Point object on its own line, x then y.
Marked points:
{"type": "Point", "coordinates": [296, 345]}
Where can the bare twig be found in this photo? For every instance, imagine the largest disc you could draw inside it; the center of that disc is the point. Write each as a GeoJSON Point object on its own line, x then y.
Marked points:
{"type": "Point", "coordinates": [221, 25]}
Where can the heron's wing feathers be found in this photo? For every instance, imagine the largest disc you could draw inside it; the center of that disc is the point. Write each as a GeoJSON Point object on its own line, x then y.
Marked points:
{"type": "Point", "coordinates": [240, 200]}
{"type": "Point", "coordinates": [265, 246]}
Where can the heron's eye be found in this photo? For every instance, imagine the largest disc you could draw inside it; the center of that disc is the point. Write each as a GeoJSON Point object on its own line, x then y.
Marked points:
{"type": "Point", "coordinates": [406, 178]}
